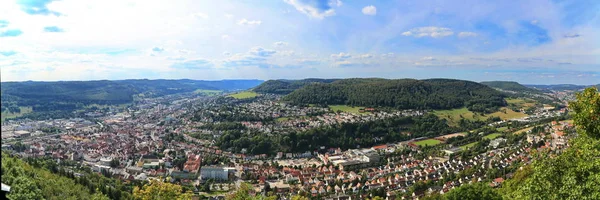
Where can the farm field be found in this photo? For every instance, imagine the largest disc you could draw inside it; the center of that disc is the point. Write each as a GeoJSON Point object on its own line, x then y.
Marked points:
{"type": "Point", "coordinates": [523, 130]}
{"type": "Point", "coordinates": [502, 129]}
{"type": "Point", "coordinates": [345, 108]}
{"type": "Point", "coordinates": [244, 95]}
{"type": "Point", "coordinates": [281, 119]}
{"type": "Point", "coordinates": [8, 115]}
{"type": "Point", "coordinates": [453, 116]}
{"type": "Point", "coordinates": [428, 142]}
{"type": "Point", "coordinates": [492, 136]}
{"type": "Point", "coordinates": [208, 92]}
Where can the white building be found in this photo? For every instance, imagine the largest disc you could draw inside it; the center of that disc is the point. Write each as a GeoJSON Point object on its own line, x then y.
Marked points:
{"type": "Point", "coordinates": [215, 172]}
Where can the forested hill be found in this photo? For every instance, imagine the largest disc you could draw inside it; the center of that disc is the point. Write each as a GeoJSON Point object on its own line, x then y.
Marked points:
{"type": "Point", "coordinates": [69, 95]}
{"type": "Point", "coordinates": [401, 94]}
{"type": "Point", "coordinates": [510, 86]}
{"type": "Point", "coordinates": [287, 86]}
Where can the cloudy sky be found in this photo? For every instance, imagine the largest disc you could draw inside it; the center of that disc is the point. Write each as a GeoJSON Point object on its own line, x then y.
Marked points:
{"type": "Point", "coordinates": [530, 41]}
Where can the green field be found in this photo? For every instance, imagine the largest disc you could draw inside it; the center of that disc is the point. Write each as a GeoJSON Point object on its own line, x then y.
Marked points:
{"type": "Point", "coordinates": [345, 108]}
{"type": "Point", "coordinates": [428, 142]}
{"type": "Point", "coordinates": [453, 116]}
{"type": "Point", "coordinates": [521, 102]}
{"type": "Point", "coordinates": [208, 92]}
{"type": "Point", "coordinates": [244, 95]}
{"type": "Point", "coordinates": [492, 136]}
{"type": "Point", "coordinates": [502, 129]}
{"type": "Point", "coordinates": [467, 146]}
{"type": "Point", "coordinates": [8, 115]}
{"type": "Point", "coordinates": [281, 119]}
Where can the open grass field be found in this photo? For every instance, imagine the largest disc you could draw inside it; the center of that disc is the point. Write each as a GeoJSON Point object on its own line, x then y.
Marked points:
{"type": "Point", "coordinates": [281, 119]}
{"type": "Point", "coordinates": [8, 115]}
{"type": "Point", "coordinates": [467, 146]}
{"type": "Point", "coordinates": [502, 129]}
{"type": "Point", "coordinates": [244, 95]}
{"type": "Point", "coordinates": [521, 102]}
{"type": "Point", "coordinates": [345, 108]}
{"type": "Point", "coordinates": [428, 142]}
{"type": "Point", "coordinates": [453, 116]}
{"type": "Point", "coordinates": [492, 136]}
{"type": "Point", "coordinates": [208, 92]}
{"type": "Point", "coordinates": [523, 130]}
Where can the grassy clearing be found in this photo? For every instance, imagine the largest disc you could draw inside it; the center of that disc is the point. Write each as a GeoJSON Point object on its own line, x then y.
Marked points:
{"type": "Point", "coordinates": [523, 130]}
{"type": "Point", "coordinates": [208, 92]}
{"type": "Point", "coordinates": [453, 116]}
{"type": "Point", "coordinates": [428, 142]}
{"type": "Point", "coordinates": [492, 136]}
{"type": "Point", "coordinates": [281, 119]}
{"type": "Point", "coordinates": [244, 95]}
{"type": "Point", "coordinates": [502, 129]}
{"type": "Point", "coordinates": [467, 146]}
{"type": "Point", "coordinates": [345, 108]}
{"type": "Point", "coordinates": [8, 115]}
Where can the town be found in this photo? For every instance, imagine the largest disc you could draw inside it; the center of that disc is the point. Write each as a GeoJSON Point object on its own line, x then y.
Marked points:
{"type": "Point", "coordinates": [174, 136]}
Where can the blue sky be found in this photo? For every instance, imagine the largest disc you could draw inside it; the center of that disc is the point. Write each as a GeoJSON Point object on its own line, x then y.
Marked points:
{"type": "Point", "coordinates": [529, 41]}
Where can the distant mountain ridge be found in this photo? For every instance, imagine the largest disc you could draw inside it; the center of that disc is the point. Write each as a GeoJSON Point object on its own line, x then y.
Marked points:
{"type": "Point", "coordinates": [398, 93]}
{"type": "Point", "coordinates": [510, 86]}
{"type": "Point", "coordinates": [69, 95]}
{"type": "Point", "coordinates": [282, 86]}
{"type": "Point", "coordinates": [561, 87]}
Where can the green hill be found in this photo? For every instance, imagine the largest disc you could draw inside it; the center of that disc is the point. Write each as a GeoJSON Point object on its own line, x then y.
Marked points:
{"type": "Point", "coordinates": [510, 86]}
{"type": "Point", "coordinates": [287, 86]}
{"type": "Point", "coordinates": [71, 95]}
{"type": "Point", "coordinates": [401, 94]}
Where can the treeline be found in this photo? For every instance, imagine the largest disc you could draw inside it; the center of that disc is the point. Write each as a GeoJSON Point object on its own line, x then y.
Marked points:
{"type": "Point", "coordinates": [402, 94]}
{"type": "Point", "coordinates": [287, 86]}
{"type": "Point", "coordinates": [511, 86]}
{"type": "Point", "coordinates": [345, 136]}
{"type": "Point", "coordinates": [72, 95]}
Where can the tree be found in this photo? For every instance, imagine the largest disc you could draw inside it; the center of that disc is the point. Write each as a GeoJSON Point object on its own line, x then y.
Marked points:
{"type": "Point", "coordinates": [473, 192]}
{"type": "Point", "coordinates": [160, 190]}
{"type": "Point", "coordinates": [24, 188]}
{"type": "Point", "coordinates": [298, 197]}
{"type": "Point", "coordinates": [575, 173]}
{"type": "Point", "coordinates": [114, 163]}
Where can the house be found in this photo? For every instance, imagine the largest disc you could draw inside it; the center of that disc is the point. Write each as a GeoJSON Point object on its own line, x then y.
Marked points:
{"type": "Point", "coordinates": [215, 172]}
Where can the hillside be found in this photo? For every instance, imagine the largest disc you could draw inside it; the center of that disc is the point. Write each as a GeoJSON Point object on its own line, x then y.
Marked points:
{"type": "Point", "coordinates": [558, 87]}
{"type": "Point", "coordinates": [287, 86]}
{"type": "Point", "coordinates": [70, 95]}
{"type": "Point", "coordinates": [401, 94]}
{"type": "Point", "coordinates": [510, 86]}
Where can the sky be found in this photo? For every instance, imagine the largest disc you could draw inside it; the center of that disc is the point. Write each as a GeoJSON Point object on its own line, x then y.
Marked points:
{"type": "Point", "coordinates": [528, 41]}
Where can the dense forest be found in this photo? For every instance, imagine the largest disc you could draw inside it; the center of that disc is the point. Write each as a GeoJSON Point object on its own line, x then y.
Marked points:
{"type": "Point", "coordinates": [401, 94]}
{"type": "Point", "coordinates": [511, 86]}
{"type": "Point", "coordinates": [345, 136]}
{"type": "Point", "coordinates": [287, 86]}
{"type": "Point", "coordinates": [72, 95]}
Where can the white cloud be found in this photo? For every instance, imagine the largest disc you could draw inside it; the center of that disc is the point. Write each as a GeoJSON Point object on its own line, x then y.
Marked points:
{"type": "Point", "coordinates": [280, 44]}
{"type": "Point", "coordinates": [226, 53]}
{"type": "Point", "coordinates": [366, 56]}
{"type": "Point", "coordinates": [369, 10]}
{"type": "Point", "coordinates": [228, 15]}
{"type": "Point", "coordinates": [225, 37]}
{"type": "Point", "coordinates": [249, 22]}
{"type": "Point", "coordinates": [467, 34]}
{"type": "Point", "coordinates": [341, 56]}
{"type": "Point", "coordinates": [314, 8]}
{"type": "Point", "coordinates": [534, 22]}
{"type": "Point", "coordinates": [200, 15]}
{"type": "Point", "coordinates": [429, 31]}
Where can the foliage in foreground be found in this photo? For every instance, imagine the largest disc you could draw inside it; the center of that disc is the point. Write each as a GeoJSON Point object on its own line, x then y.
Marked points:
{"type": "Point", "coordinates": [160, 190]}
{"type": "Point", "coordinates": [575, 173]}
{"type": "Point", "coordinates": [28, 182]}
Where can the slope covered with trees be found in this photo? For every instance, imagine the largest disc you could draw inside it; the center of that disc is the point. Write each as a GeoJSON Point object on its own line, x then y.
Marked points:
{"type": "Point", "coordinates": [71, 95]}
{"type": "Point", "coordinates": [287, 86]}
{"type": "Point", "coordinates": [401, 94]}
{"type": "Point", "coordinates": [510, 86]}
